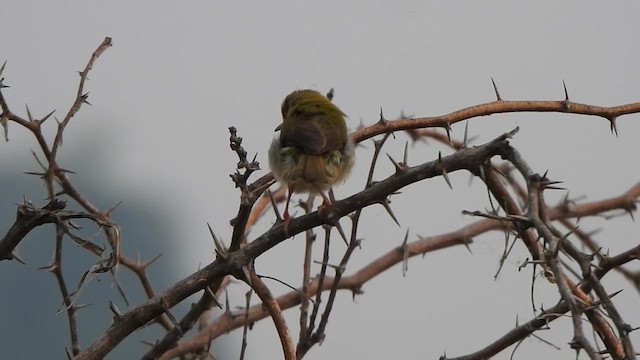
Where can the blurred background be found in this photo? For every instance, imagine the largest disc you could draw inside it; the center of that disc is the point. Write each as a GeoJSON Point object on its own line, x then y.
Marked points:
{"type": "Point", "coordinates": [180, 73]}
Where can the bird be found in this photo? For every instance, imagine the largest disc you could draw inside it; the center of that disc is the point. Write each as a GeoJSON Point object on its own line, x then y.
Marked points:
{"type": "Point", "coordinates": [313, 151]}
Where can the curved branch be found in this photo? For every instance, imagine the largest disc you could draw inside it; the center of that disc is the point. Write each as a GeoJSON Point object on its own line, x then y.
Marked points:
{"type": "Point", "coordinates": [234, 261]}
{"type": "Point", "coordinates": [463, 236]}
{"type": "Point", "coordinates": [496, 107]}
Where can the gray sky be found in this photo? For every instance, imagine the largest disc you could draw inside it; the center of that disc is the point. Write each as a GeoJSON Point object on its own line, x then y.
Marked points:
{"type": "Point", "coordinates": [180, 73]}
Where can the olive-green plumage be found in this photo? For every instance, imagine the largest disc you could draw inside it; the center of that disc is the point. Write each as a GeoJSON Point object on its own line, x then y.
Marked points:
{"type": "Point", "coordinates": [313, 151]}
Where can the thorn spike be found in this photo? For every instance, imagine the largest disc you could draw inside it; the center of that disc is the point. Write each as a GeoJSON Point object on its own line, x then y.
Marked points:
{"type": "Point", "coordinates": [341, 232]}
{"type": "Point", "coordinates": [612, 124]}
{"type": "Point", "coordinates": [221, 249]}
{"type": "Point", "coordinates": [446, 178]}
{"type": "Point", "coordinates": [330, 94]}
{"type": "Point", "coordinates": [386, 206]}
{"type": "Point", "coordinates": [405, 254]}
{"type": "Point", "coordinates": [466, 131]}
{"type": "Point", "coordinates": [448, 129]}
{"type": "Point", "coordinates": [399, 167]}
{"type": "Point", "coordinates": [28, 112]}
{"type": "Point", "coordinates": [406, 153]}
{"type": "Point", "coordinates": [47, 116]}
{"type": "Point", "coordinates": [495, 88]}
{"type": "Point", "coordinates": [382, 119]}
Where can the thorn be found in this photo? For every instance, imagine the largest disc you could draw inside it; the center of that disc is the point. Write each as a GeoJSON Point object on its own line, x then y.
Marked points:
{"type": "Point", "coordinates": [630, 211]}
{"type": "Point", "coordinates": [173, 319]}
{"type": "Point", "coordinates": [382, 119]}
{"type": "Point", "coordinates": [405, 254]}
{"type": "Point", "coordinates": [544, 176]}
{"type": "Point", "coordinates": [447, 128]}
{"type": "Point", "coordinates": [275, 206]}
{"type": "Point", "coordinates": [356, 291]}
{"type": "Point", "coordinates": [511, 133]}
{"type": "Point", "coordinates": [337, 268]}
{"type": "Point", "coordinates": [148, 263]}
{"type": "Point", "coordinates": [335, 223]}
{"type": "Point", "coordinates": [563, 238]}
{"type": "Point", "coordinates": [495, 88]}
{"type": "Point", "coordinates": [47, 116]}
{"type": "Point", "coordinates": [399, 167]}
{"type": "Point", "coordinates": [17, 258]}
{"type": "Point", "coordinates": [615, 293]}
{"type": "Point", "coordinates": [84, 98]}
{"type": "Point", "coordinates": [214, 298]}
{"type": "Point", "coordinates": [566, 104]}
{"type": "Point", "coordinates": [386, 206]}
{"type": "Point", "coordinates": [330, 94]}
{"type": "Point", "coordinates": [338, 226]}
{"type": "Point", "coordinates": [2, 67]}
{"type": "Point", "coordinates": [112, 209]}
{"type": "Point", "coordinates": [28, 113]}
{"type": "Point", "coordinates": [612, 125]}
{"type": "Point", "coordinates": [221, 249]}
{"type": "Point", "coordinates": [442, 170]}
{"type": "Point", "coordinates": [548, 185]}
{"type": "Point", "coordinates": [65, 171]}
{"type": "Point", "coordinates": [406, 154]}
{"type": "Point", "coordinates": [446, 178]}
{"type": "Point", "coordinates": [466, 242]}
{"type": "Point", "coordinates": [114, 309]}
{"type": "Point", "coordinates": [466, 127]}
{"type": "Point", "coordinates": [81, 306]}
{"type": "Point", "coordinates": [289, 286]}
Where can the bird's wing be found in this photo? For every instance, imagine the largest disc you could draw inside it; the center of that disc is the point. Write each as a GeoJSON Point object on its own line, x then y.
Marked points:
{"type": "Point", "coordinates": [313, 133]}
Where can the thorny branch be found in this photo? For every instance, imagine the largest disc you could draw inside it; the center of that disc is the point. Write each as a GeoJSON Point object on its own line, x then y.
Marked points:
{"type": "Point", "coordinates": [530, 219]}
{"type": "Point", "coordinates": [57, 184]}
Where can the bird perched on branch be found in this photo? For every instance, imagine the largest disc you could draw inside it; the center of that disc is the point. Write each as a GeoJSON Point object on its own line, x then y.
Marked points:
{"type": "Point", "coordinates": [313, 151]}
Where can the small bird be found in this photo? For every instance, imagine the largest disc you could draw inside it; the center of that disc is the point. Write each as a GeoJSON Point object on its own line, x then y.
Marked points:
{"type": "Point", "coordinates": [313, 151]}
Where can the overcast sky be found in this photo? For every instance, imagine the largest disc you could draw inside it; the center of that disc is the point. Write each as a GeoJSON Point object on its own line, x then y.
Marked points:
{"type": "Point", "coordinates": [180, 73]}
